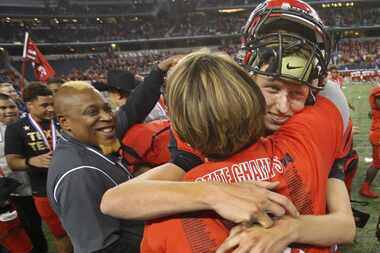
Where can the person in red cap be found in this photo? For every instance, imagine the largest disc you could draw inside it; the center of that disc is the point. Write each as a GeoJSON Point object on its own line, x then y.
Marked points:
{"type": "Point", "coordinates": [374, 138]}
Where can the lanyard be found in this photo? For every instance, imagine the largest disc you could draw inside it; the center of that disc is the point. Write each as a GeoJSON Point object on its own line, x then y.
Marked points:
{"type": "Point", "coordinates": [161, 109]}
{"type": "Point", "coordinates": [41, 132]}
{"type": "Point", "coordinates": [118, 163]}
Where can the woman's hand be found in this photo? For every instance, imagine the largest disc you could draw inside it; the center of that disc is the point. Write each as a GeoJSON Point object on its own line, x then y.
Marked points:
{"type": "Point", "coordinates": [250, 202]}
{"type": "Point", "coordinates": [256, 239]}
{"type": "Point", "coordinates": [166, 64]}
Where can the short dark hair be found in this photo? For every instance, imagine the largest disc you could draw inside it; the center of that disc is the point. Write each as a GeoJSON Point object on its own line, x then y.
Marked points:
{"type": "Point", "coordinates": [34, 90]}
{"type": "Point", "coordinates": [123, 82]}
{"type": "Point", "coordinates": [332, 67]}
{"type": "Point", "coordinates": [55, 80]}
{"type": "Point", "coordinates": [5, 97]}
{"type": "Point", "coordinates": [6, 84]}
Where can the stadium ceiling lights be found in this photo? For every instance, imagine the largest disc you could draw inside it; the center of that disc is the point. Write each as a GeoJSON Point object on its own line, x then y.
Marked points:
{"type": "Point", "coordinates": [338, 5]}
{"type": "Point", "coordinates": [231, 10]}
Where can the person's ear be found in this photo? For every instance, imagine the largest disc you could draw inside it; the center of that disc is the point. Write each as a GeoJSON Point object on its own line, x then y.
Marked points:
{"type": "Point", "coordinates": [29, 106]}
{"type": "Point", "coordinates": [64, 123]}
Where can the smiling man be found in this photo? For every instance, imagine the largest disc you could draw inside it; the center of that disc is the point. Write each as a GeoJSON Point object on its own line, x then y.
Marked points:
{"type": "Point", "coordinates": [80, 172]}
{"type": "Point", "coordinates": [85, 163]}
{"type": "Point", "coordinates": [283, 101]}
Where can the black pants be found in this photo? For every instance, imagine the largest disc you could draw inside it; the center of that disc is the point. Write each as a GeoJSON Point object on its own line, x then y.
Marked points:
{"type": "Point", "coordinates": [3, 250]}
{"type": "Point", "coordinates": [31, 221]}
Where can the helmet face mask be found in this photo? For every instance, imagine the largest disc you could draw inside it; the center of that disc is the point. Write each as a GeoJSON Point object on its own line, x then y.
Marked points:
{"type": "Point", "coordinates": [285, 56]}
{"type": "Point", "coordinates": [293, 32]}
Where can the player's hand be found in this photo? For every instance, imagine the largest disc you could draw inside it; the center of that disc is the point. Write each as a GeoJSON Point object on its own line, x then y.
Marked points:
{"type": "Point", "coordinates": [351, 106]}
{"type": "Point", "coordinates": [355, 130]}
{"type": "Point", "coordinates": [41, 161]}
{"type": "Point", "coordinates": [166, 64]}
{"type": "Point", "coordinates": [250, 202]}
{"type": "Point", "coordinates": [256, 239]}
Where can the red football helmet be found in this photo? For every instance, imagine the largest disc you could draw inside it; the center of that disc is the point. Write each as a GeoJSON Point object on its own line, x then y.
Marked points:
{"type": "Point", "coordinates": [286, 39]}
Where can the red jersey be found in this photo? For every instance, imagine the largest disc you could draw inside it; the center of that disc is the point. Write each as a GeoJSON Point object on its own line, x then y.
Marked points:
{"type": "Point", "coordinates": [299, 156]}
{"type": "Point", "coordinates": [374, 133]}
{"type": "Point", "coordinates": [338, 80]}
{"type": "Point", "coordinates": [147, 143]}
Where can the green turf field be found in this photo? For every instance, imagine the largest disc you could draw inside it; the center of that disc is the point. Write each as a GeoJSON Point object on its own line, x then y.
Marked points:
{"type": "Point", "coordinates": [365, 240]}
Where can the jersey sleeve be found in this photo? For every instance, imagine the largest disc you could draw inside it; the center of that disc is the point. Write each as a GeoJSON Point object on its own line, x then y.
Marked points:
{"type": "Point", "coordinates": [334, 94]}
{"type": "Point", "coordinates": [337, 170]}
{"type": "Point", "coordinates": [14, 143]}
{"type": "Point", "coordinates": [140, 102]}
{"type": "Point", "coordinates": [182, 154]}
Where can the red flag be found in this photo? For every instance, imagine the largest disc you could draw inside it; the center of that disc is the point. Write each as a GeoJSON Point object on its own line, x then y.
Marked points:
{"type": "Point", "coordinates": [42, 69]}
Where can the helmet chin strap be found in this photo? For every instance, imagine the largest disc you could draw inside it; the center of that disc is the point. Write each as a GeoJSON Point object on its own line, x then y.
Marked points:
{"type": "Point", "coordinates": [311, 98]}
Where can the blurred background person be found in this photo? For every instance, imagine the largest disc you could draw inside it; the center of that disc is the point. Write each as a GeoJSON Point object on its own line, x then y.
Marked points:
{"type": "Point", "coordinates": [120, 84]}
{"type": "Point", "coordinates": [335, 76]}
{"type": "Point", "coordinates": [29, 234]}
{"type": "Point", "coordinates": [8, 89]}
{"type": "Point", "coordinates": [54, 84]}
{"type": "Point", "coordinates": [29, 143]}
{"type": "Point", "coordinates": [374, 139]}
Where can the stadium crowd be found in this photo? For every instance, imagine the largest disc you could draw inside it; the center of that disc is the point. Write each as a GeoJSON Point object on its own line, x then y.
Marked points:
{"type": "Point", "coordinates": [353, 17]}
{"type": "Point", "coordinates": [135, 28]}
{"type": "Point", "coordinates": [353, 54]}
{"type": "Point", "coordinates": [358, 53]}
{"type": "Point", "coordinates": [62, 8]}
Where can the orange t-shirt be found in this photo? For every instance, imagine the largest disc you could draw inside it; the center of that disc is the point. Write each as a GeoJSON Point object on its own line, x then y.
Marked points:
{"type": "Point", "coordinates": [299, 156]}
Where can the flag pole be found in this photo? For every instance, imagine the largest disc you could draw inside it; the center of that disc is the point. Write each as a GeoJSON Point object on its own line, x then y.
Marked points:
{"type": "Point", "coordinates": [25, 45]}
{"type": "Point", "coordinates": [23, 65]}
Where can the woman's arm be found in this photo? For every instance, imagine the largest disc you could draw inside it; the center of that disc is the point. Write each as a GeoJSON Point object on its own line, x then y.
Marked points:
{"type": "Point", "coordinates": [142, 100]}
{"type": "Point", "coordinates": [156, 194]}
{"type": "Point", "coordinates": [320, 230]}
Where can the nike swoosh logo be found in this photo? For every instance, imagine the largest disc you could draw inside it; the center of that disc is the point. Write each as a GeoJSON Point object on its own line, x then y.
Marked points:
{"type": "Point", "coordinates": [293, 67]}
